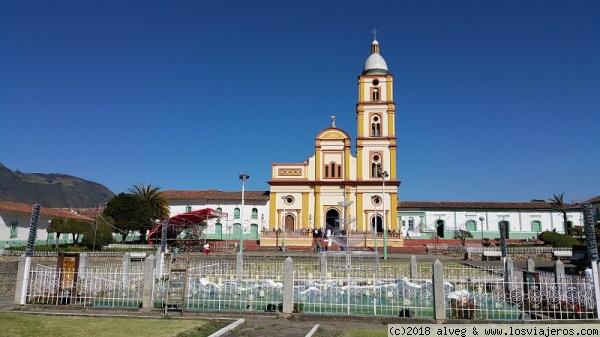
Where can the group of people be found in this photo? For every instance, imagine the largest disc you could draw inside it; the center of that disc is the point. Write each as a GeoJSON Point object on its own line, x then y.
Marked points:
{"type": "Point", "coordinates": [322, 240]}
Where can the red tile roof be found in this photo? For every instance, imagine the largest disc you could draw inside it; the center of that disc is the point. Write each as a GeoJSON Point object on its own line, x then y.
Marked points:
{"type": "Point", "coordinates": [594, 200]}
{"type": "Point", "coordinates": [215, 195]}
{"type": "Point", "coordinates": [14, 207]}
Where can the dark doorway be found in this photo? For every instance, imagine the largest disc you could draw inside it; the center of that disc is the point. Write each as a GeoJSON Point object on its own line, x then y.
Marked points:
{"type": "Point", "coordinates": [332, 218]}
{"type": "Point", "coordinates": [377, 222]}
{"type": "Point", "coordinates": [439, 226]}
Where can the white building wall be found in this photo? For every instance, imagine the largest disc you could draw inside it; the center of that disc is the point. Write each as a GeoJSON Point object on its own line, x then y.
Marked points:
{"type": "Point", "coordinates": [180, 206]}
{"type": "Point", "coordinates": [23, 221]}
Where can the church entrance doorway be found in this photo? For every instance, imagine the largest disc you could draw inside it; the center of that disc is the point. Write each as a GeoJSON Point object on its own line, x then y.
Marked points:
{"type": "Point", "coordinates": [377, 223]}
{"type": "Point", "coordinates": [332, 218]}
{"type": "Point", "coordinates": [289, 223]}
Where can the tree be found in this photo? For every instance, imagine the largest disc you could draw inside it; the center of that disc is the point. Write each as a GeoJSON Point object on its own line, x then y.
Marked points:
{"type": "Point", "coordinates": [155, 197]}
{"type": "Point", "coordinates": [462, 235]}
{"type": "Point", "coordinates": [130, 213]}
{"type": "Point", "coordinates": [558, 204]}
{"type": "Point", "coordinates": [100, 234]}
{"type": "Point", "coordinates": [73, 226]}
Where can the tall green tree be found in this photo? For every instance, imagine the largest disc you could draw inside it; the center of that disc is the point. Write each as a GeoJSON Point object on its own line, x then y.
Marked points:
{"type": "Point", "coordinates": [130, 213]}
{"type": "Point", "coordinates": [155, 197]}
{"type": "Point", "coordinates": [98, 235]}
{"type": "Point", "coordinates": [558, 204]}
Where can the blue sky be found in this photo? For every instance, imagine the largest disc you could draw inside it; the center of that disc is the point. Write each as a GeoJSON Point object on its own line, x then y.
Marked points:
{"type": "Point", "coordinates": [495, 100]}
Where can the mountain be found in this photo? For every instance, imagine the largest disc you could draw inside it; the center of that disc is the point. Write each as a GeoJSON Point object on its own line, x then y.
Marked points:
{"type": "Point", "coordinates": [51, 190]}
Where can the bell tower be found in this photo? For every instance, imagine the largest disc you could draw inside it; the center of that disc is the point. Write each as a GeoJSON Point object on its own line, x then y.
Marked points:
{"type": "Point", "coordinates": [375, 116]}
{"type": "Point", "coordinates": [376, 138]}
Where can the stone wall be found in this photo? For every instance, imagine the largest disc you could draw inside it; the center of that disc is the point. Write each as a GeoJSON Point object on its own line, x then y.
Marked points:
{"type": "Point", "coordinates": [515, 257]}
{"type": "Point", "coordinates": [8, 278]}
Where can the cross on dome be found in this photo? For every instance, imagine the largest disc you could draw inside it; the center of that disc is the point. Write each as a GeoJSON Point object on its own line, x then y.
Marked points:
{"type": "Point", "coordinates": [374, 31]}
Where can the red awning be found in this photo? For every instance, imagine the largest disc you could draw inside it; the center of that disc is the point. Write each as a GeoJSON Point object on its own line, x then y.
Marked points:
{"type": "Point", "coordinates": [189, 218]}
{"type": "Point", "coordinates": [194, 217]}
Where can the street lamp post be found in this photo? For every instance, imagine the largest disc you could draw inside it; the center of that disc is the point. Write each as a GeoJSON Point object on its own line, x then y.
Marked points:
{"type": "Point", "coordinates": [481, 219]}
{"type": "Point", "coordinates": [243, 177]}
{"type": "Point", "coordinates": [283, 225]}
{"type": "Point", "coordinates": [383, 175]}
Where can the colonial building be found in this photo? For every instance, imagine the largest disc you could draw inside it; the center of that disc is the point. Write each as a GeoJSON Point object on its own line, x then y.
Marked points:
{"type": "Point", "coordinates": [334, 188]}
{"type": "Point", "coordinates": [15, 220]}
{"type": "Point", "coordinates": [337, 188]}
{"type": "Point", "coordinates": [522, 220]}
{"type": "Point", "coordinates": [250, 219]}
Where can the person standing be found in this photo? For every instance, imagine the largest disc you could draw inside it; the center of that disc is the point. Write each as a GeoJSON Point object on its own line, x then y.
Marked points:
{"type": "Point", "coordinates": [206, 248]}
{"type": "Point", "coordinates": [588, 274]}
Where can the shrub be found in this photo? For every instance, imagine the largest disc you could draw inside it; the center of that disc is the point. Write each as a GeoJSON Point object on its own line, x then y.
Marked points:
{"type": "Point", "coordinates": [565, 241]}
{"type": "Point", "coordinates": [549, 237]}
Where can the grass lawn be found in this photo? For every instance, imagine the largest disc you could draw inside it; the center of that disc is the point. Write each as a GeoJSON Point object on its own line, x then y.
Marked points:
{"type": "Point", "coordinates": [352, 333]}
{"type": "Point", "coordinates": [24, 325]}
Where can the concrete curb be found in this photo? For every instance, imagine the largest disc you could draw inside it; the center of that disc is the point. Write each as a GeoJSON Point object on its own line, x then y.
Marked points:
{"type": "Point", "coordinates": [228, 328]}
{"type": "Point", "coordinates": [312, 331]}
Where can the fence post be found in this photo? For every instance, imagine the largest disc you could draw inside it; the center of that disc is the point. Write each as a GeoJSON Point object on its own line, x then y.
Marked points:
{"type": "Point", "coordinates": [148, 290]}
{"type": "Point", "coordinates": [413, 268]}
{"type": "Point", "coordinates": [439, 298]}
{"type": "Point", "coordinates": [83, 262]}
{"type": "Point", "coordinates": [530, 265]}
{"type": "Point", "coordinates": [22, 274]}
{"type": "Point", "coordinates": [239, 266]}
{"type": "Point", "coordinates": [126, 265]}
{"type": "Point", "coordinates": [323, 265]}
{"type": "Point", "coordinates": [288, 286]}
{"type": "Point", "coordinates": [559, 271]}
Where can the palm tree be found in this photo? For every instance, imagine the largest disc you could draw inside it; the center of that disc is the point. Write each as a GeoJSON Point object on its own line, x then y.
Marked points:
{"type": "Point", "coordinates": [154, 196]}
{"type": "Point", "coordinates": [558, 204]}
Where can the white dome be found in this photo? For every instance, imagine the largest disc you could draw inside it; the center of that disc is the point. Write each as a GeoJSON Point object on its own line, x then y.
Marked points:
{"type": "Point", "coordinates": [375, 62]}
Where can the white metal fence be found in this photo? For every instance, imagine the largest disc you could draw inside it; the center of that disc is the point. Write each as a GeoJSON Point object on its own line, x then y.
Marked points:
{"type": "Point", "coordinates": [394, 289]}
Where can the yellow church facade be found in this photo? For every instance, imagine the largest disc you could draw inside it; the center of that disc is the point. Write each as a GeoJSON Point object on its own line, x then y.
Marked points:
{"type": "Point", "coordinates": [334, 188]}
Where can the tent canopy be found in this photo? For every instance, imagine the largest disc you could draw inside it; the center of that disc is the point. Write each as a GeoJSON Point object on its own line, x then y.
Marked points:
{"type": "Point", "coordinates": [184, 220]}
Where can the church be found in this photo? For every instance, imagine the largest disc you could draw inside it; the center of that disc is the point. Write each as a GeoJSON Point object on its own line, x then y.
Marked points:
{"type": "Point", "coordinates": [356, 190]}
{"type": "Point", "coordinates": [334, 189]}
{"type": "Point", "coordinates": [346, 190]}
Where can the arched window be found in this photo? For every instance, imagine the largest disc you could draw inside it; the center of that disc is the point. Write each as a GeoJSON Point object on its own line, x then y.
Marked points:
{"type": "Point", "coordinates": [236, 213]}
{"type": "Point", "coordinates": [375, 165]}
{"type": "Point", "coordinates": [375, 95]}
{"type": "Point", "coordinates": [254, 213]}
{"type": "Point", "coordinates": [188, 209]}
{"type": "Point", "coordinates": [220, 210]}
{"type": "Point", "coordinates": [333, 170]}
{"type": "Point", "coordinates": [471, 225]}
{"type": "Point", "coordinates": [375, 126]}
